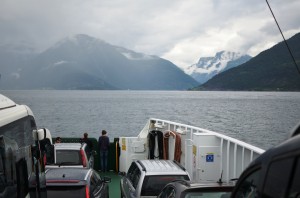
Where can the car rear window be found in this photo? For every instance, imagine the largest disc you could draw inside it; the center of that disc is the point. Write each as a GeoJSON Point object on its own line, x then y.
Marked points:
{"type": "Point", "coordinates": [65, 191]}
{"type": "Point", "coordinates": [68, 157]}
{"type": "Point", "coordinates": [153, 184]}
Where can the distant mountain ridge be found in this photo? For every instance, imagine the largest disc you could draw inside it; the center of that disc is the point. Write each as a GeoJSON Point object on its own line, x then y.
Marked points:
{"type": "Point", "coordinates": [208, 67]}
{"type": "Point", "coordinates": [271, 70]}
{"type": "Point", "coordinates": [84, 62]}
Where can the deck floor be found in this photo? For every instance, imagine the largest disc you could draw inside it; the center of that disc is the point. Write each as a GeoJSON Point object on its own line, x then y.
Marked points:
{"type": "Point", "coordinates": [114, 185]}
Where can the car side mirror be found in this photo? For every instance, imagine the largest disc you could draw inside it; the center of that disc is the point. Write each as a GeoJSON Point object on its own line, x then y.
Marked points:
{"type": "Point", "coordinates": [122, 174]}
{"type": "Point", "coordinates": [106, 179]}
{"type": "Point", "coordinates": [35, 152]}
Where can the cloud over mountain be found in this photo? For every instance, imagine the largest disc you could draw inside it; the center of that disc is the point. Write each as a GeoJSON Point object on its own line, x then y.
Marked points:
{"type": "Point", "coordinates": [84, 62]}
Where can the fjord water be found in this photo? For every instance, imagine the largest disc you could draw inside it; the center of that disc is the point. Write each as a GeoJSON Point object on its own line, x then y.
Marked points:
{"type": "Point", "coordinates": [263, 119]}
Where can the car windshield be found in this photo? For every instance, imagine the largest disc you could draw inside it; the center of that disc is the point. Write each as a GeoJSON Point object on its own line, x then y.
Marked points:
{"type": "Point", "coordinates": [152, 185]}
{"type": "Point", "coordinates": [207, 194]}
{"type": "Point", "coordinates": [68, 157]}
{"type": "Point", "coordinates": [65, 191]}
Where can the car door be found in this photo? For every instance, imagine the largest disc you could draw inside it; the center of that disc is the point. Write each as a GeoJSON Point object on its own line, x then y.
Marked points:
{"type": "Point", "coordinates": [277, 179]}
{"type": "Point", "coordinates": [97, 187]}
{"type": "Point", "coordinates": [90, 157]}
{"type": "Point", "coordinates": [130, 181]}
{"type": "Point", "coordinates": [167, 192]}
{"type": "Point", "coordinates": [294, 189]}
{"type": "Point", "coordinates": [249, 185]}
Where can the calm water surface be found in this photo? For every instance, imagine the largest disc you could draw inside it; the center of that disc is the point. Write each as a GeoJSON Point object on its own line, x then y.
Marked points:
{"type": "Point", "coordinates": [263, 119]}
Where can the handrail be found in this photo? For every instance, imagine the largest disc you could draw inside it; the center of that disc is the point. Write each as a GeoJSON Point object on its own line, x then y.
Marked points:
{"type": "Point", "coordinates": [221, 136]}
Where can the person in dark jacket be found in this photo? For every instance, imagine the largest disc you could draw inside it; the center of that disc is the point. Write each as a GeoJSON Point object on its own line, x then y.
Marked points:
{"type": "Point", "coordinates": [89, 143]}
{"type": "Point", "coordinates": [103, 148]}
{"type": "Point", "coordinates": [57, 140]}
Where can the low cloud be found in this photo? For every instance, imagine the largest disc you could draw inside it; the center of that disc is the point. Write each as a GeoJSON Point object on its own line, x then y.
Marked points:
{"type": "Point", "coordinates": [181, 31]}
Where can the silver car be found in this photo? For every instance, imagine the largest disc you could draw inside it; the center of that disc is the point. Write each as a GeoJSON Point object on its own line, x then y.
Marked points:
{"type": "Point", "coordinates": [146, 178]}
{"type": "Point", "coordinates": [76, 183]}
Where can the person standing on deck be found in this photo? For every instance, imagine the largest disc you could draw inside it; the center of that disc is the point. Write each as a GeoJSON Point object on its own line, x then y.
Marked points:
{"type": "Point", "coordinates": [88, 142]}
{"type": "Point", "coordinates": [103, 148]}
{"type": "Point", "coordinates": [57, 140]}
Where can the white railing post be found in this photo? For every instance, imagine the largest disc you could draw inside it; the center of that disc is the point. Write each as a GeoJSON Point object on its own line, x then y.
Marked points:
{"type": "Point", "coordinates": [228, 158]}
{"type": "Point", "coordinates": [234, 160]}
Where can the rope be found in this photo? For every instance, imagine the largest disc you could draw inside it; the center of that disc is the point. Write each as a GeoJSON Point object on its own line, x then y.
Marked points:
{"type": "Point", "coordinates": [177, 150]}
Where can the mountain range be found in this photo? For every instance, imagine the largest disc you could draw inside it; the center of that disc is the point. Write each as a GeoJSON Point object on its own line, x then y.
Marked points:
{"type": "Point", "coordinates": [84, 62]}
{"type": "Point", "coordinates": [208, 67]}
{"type": "Point", "coordinates": [271, 70]}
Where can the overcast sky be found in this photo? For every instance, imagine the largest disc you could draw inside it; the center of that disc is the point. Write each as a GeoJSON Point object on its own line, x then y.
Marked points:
{"type": "Point", "coordinates": [181, 31]}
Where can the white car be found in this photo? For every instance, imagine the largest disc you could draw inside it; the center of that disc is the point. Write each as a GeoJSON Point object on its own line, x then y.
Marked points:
{"type": "Point", "coordinates": [71, 155]}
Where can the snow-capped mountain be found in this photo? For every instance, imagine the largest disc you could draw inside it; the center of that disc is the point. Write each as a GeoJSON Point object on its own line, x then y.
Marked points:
{"type": "Point", "coordinates": [208, 67]}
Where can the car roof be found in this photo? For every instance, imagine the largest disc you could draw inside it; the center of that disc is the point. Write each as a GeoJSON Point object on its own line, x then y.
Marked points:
{"type": "Point", "coordinates": [71, 146]}
{"type": "Point", "coordinates": [153, 167]}
{"type": "Point", "coordinates": [10, 111]}
{"type": "Point", "coordinates": [67, 174]}
{"type": "Point", "coordinates": [5, 102]}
